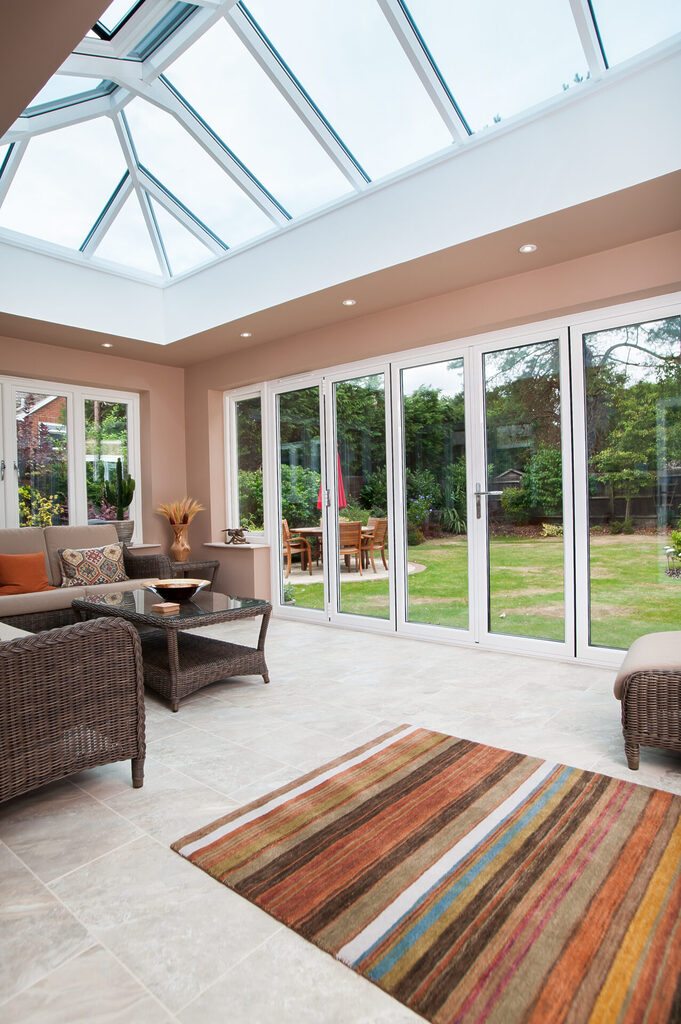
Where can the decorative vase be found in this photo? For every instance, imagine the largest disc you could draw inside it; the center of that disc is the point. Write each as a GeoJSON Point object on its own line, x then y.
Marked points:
{"type": "Point", "coordinates": [124, 529]}
{"type": "Point", "coordinates": [180, 547]}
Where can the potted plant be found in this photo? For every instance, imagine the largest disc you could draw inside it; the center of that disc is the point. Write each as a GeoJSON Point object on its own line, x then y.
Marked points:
{"type": "Point", "coordinates": [120, 495]}
{"type": "Point", "coordinates": [180, 514]}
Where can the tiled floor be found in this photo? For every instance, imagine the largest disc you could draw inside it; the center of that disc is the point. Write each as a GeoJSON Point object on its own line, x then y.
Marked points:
{"type": "Point", "coordinates": [101, 921]}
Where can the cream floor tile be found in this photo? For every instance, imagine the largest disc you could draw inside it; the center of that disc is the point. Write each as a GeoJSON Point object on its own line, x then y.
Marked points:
{"type": "Point", "coordinates": [214, 761]}
{"type": "Point", "coordinates": [302, 985]}
{"type": "Point", "coordinates": [175, 927]}
{"type": "Point", "coordinates": [170, 804]}
{"type": "Point", "coordinates": [91, 987]}
{"type": "Point", "coordinates": [37, 934]}
{"type": "Point", "coordinates": [57, 829]}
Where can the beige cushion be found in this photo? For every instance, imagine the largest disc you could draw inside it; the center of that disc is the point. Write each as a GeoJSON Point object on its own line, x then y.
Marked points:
{"type": "Point", "coordinates": [27, 604]}
{"type": "Point", "coordinates": [57, 537]}
{"type": "Point", "coordinates": [654, 652]}
{"type": "Point", "coordinates": [26, 540]}
{"type": "Point", "coordinates": [8, 632]}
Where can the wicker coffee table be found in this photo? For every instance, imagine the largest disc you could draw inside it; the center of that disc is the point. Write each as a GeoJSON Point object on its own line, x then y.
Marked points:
{"type": "Point", "coordinates": [177, 663]}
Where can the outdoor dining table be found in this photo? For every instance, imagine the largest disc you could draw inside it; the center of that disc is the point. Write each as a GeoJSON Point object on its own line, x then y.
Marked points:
{"type": "Point", "coordinates": [314, 535]}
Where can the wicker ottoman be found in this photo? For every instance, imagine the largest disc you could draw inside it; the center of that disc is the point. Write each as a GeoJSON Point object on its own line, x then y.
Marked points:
{"type": "Point", "coordinates": [649, 687]}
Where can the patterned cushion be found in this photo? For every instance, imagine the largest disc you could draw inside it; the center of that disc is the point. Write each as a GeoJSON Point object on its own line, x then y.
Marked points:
{"type": "Point", "coordinates": [89, 566]}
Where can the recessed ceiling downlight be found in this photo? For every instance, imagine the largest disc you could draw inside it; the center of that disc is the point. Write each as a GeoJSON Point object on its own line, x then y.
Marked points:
{"type": "Point", "coordinates": [349, 302]}
{"type": "Point", "coordinates": [107, 344]}
{"type": "Point", "coordinates": [246, 334]}
{"type": "Point", "coordinates": [529, 247]}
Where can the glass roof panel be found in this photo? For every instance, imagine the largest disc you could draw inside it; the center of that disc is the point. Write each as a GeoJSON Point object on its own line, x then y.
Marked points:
{"type": "Point", "coordinates": [115, 13]}
{"type": "Point", "coordinates": [60, 87]}
{"type": "Point", "coordinates": [194, 177]}
{"type": "Point", "coordinates": [127, 241]}
{"type": "Point", "coordinates": [184, 250]}
{"type": "Point", "coordinates": [500, 58]}
{"type": "Point", "coordinates": [348, 59]}
{"type": "Point", "coordinates": [63, 181]}
{"type": "Point", "coordinates": [628, 26]}
{"type": "Point", "coordinates": [257, 123]}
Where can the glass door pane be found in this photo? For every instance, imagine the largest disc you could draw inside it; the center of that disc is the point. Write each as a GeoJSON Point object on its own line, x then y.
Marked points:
{"type": "Point", "coordinates": [41, 458]}
{"type": "Point", "coordinates": [302, 581]}
{"type": "Point", "coordinates": [524, 503]}
{"type": "Point", "coordinates": [633, 439]}
{"type": "Point", "coordinates": [360, 497]}
{"type": "Point", "coordinates": [435, 489]}
{"type": "Point", "coordinates": [248, 424]}
{"type": "Point", "coordinates": [106, 441]}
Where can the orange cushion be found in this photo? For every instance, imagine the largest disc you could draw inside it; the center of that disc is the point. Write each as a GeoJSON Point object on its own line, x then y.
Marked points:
{"type": "Point", "coordinates": [23, 574]}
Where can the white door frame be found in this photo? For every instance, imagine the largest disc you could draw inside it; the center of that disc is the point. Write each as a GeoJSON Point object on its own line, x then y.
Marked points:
{"type": "Point", "coordinates": [336, 615]}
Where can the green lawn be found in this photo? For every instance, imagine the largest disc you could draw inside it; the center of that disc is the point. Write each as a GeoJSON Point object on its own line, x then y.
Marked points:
{"type": "Point", "coordinates": [630, 593]}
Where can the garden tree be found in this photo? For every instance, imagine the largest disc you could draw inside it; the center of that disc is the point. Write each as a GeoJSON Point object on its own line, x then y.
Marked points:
{"type": "Point", "coordinates": [627, 461]}
{"type": "Point", "coordinates": [633, 390]}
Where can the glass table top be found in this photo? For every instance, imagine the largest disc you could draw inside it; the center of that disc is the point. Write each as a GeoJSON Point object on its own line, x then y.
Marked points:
{"type": "Point", "coordinates": [202, 605]}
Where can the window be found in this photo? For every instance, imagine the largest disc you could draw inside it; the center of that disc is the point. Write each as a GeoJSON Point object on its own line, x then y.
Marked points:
{"type": "Point", "coordinates": [59, 448]}
{"type": "Point", "coordinates": [245, 462]}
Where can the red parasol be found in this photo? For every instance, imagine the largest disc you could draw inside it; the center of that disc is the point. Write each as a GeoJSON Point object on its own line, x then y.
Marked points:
{"type": "Point", "coordinates": [342, 500]}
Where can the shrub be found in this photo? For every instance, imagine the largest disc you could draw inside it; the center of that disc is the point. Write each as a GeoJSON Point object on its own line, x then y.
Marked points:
{"type": "Point", "coordinates": [676, 542]}
{"type": "Point", "coordinates": [628, 526]}
{"type": "Point", "coordinates": [414, 537]}
{"type": "Point", "coordinates": [418, 510]}
{"type": "Point", "coordinates": [299, 495]}
{"type": "Point", "coordinates": [515, 502]}
{"type": "Point", "coordinates": [453, 516]}
{"type": "Point", "coordinates": [36, 509]}
{"type": "Point", "coordinates": [374, 494]}
{"type": "Point", "coordinates": [354, 512]}
{"type": "Point", "coordinates": [552, 529]}
{"type": "Point", "coordinates": [250, 499]}
{"type": "Point", "coordinates": [616, 526]}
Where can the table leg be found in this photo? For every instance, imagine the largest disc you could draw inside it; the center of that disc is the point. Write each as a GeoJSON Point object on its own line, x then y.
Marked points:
{"type": "Point", "coordinates": [173, 668]}
{"type": "Point", "coordinates": [261, 639]}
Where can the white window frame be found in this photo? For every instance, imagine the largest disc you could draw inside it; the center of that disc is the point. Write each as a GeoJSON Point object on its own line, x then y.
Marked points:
{"type": "Point", "coordinates": [568, 330]}
{"type": "Point", "coordinates": [76, 396]}
{"type": "Point", "coordinates": [231, 398]}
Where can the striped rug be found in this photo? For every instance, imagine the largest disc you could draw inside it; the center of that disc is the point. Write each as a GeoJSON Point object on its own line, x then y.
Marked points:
{"type": "Point", "coordinates": [473, 884]}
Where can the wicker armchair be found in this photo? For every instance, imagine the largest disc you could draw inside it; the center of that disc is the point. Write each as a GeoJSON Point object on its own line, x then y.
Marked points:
{"type": "Point", "coordinates": [70, 698]}
{"type": "Point", "coordinates": [649, 686]}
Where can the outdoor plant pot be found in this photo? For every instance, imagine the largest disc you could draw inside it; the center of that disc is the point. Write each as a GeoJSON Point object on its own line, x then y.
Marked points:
{"type": "Point", "coordinates": [125, 529]}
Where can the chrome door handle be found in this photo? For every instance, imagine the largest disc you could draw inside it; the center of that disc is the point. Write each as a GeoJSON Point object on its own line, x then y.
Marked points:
{"type": "Point", "coordinates": [478, 494]}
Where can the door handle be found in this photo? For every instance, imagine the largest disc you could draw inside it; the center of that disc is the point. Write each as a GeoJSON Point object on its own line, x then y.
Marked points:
{"type": "Point", "coordinates": [2, 469]}
{"type": "Point", "coordinates": [478, 495]}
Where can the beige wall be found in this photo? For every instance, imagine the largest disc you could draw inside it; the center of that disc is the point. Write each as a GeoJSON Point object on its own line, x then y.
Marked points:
{"type": "Point", "coordinates": [642, 269]}
{"type": "Point", "coordinates": [162, 426]}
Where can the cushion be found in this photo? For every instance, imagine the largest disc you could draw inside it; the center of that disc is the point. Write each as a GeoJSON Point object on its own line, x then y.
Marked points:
{"type": "Point", "coordinates": [89, 566]}
{"type": "Point", "coordinates": [23, 574]}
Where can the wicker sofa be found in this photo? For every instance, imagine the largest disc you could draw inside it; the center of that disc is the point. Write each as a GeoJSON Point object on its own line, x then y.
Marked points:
{"type": "Point", "coordinates": [70, 699]}
{"type": "Point", "coordinates": [51, 608]}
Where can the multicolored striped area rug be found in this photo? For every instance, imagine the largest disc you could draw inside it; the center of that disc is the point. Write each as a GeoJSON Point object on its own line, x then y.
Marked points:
{"type": "Point", "coordinates": [470, 883]}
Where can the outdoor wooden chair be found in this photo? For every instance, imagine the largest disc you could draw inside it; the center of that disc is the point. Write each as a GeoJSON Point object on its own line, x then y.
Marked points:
{"type": "Point", "coordinates": [350, 543]}
{"type": "Point", "coordinates": [293, 545]}
{"type": "Point", "coordinates": [376, 540]}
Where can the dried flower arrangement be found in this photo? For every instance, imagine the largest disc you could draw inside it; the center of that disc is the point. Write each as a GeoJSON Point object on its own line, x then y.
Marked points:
{"type": "Point", "coordinates": [178, 512]}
